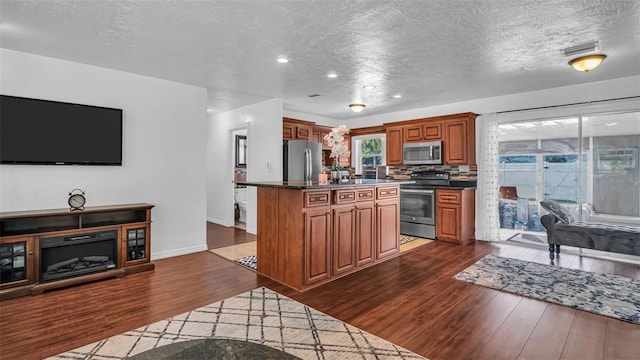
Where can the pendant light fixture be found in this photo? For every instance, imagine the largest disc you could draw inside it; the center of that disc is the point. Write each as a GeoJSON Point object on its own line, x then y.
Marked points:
{"type": "Point", "coordinates": [357, 107]}
{"type": "Point", "coordinates": [588, 62]}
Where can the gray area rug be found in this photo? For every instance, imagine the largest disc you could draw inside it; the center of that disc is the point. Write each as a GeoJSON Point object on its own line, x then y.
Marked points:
{"type": "Point", "coordinates": [260, 316]}
{"type": "Point", "coordinates": [609, 295]}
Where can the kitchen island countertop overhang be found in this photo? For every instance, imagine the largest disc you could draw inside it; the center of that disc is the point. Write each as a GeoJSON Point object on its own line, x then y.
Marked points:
{"type": "Point", "coordinates": [314, 185]}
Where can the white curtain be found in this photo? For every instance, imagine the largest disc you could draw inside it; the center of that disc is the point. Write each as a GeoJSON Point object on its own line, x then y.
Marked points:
{"type": "Point", "coordinates": [487, 215]}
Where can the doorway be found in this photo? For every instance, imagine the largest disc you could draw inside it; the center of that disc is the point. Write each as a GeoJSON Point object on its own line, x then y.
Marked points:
{"type": "Point", "coordinates": [239, 159]}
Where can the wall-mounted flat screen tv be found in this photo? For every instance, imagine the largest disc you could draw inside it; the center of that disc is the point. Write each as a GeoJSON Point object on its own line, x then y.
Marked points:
{"type": "Point", "coordinates": [34, 131]}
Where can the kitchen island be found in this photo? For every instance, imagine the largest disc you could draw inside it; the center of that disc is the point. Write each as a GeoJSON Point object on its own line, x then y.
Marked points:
{"type": "Point", "coordinates": [309, 234]}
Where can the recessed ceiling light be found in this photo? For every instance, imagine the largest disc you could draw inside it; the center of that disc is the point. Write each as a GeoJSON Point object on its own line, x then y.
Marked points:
{"type": "Point", "coordinates": [282, 60]}
{"type": "Point", "coordinates": [332, 75]}
{"type": "Point", "coordinates": [397, 96]}
{"type": "Point", "coordinates": [369, 87]}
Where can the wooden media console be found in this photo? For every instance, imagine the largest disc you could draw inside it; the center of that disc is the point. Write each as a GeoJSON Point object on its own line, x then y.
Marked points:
{"type": "Point", "coordinates": [48, 249]}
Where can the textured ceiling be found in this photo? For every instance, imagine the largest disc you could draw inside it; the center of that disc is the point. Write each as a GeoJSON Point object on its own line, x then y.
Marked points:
{"type": "Point", "coordinates": [432, 52]}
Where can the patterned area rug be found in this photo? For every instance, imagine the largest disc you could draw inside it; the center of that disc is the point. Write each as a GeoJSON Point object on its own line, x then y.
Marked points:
{"type": "Point", "coordinates": [248, 261]}
{"type": "Point", "coordinates": [609, 295]}
{"type": "Point", "coordinates": [260, 316]}
{"type": "Point", "coordinates": [407, 239]}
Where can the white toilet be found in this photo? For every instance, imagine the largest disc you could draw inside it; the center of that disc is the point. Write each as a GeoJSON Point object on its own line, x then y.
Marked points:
{"type": "Point", "coordinates": [240, 196]}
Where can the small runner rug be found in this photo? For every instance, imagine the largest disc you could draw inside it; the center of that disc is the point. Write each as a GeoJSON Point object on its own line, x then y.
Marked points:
{"type": "Point", "coordinates": [248, 261]}
{"type": "Point", "coordinates": [260, 316]}
{"type": "Point", "coordinates": [609, 295]}
{"type": "Point", "coordinates": [404, 239]}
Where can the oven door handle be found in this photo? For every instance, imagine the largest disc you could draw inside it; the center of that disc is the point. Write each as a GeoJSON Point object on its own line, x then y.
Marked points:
{"type": "Point", "coordinates": [417, 191]}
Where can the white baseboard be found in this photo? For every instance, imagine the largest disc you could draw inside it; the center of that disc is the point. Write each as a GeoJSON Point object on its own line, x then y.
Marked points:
{"type": "Point", "coordinates": [178, 252]}
{"type": "Point", "coordinates": [252, 231]}
{"type": "Point", "coordinates": [220, 222]}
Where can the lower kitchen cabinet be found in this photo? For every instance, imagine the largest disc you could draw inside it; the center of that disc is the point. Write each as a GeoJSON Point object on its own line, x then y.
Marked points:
{"type": "Point", "coordinates": [317, 241]}
{"type": "Point", "coordinates": [365, 234]}
{"type": "Point", "coordinates": [343, 249]}
{"type": "Point", "coordinates": [387, 221]}
{"type": "Point", "coordinates": [387, 229]}
{"type": "Point", "coordinates": [309, 237]}
{"type": "Point", "coordinates": [455, 215]}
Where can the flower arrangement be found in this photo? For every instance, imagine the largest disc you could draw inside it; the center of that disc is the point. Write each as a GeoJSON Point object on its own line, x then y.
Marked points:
{"type": "Point", "coordinates": [335, 139]}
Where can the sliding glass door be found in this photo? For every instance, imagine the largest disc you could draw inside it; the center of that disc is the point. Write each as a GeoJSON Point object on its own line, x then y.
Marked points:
{"type": "Point", "coordinates": [589, 164]}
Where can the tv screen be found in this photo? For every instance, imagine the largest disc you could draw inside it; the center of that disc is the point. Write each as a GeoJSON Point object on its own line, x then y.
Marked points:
{"type": "Point", "coordinates": [47, 132]}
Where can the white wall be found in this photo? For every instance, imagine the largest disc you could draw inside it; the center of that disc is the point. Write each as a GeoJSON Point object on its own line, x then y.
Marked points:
{"type": "Point", "coordinates": [164, 148]}
{"type": "Point", "coordinates": [600, 90]}
{"type": "Point", "coordinates": [264, 157]}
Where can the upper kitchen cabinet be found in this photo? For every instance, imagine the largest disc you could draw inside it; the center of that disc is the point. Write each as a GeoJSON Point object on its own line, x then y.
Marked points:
{"type": "Point", "coordinates": [394, 144]}
{"type": "Point", "coordinates": [423, 130]}
{"type": "Point", "coordinates": [318, 134]}
{"type": "Point", "coordinates": [459, 140]}
{"type": "Point", "coordinates": [457, 133]}
{"type": "Point", "coordinates": [293, 129]}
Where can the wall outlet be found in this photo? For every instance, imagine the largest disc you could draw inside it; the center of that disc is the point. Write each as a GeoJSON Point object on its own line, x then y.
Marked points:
{"type": "Point", "coordinates": [463, 168]}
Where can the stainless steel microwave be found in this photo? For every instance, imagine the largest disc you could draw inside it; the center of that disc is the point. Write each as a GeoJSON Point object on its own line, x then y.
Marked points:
{"type": "Point", "coordinates": [424, 153]}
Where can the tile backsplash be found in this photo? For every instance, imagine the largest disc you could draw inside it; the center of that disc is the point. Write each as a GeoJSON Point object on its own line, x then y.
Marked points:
{"type": "Point", "coordinates": [404, 171]}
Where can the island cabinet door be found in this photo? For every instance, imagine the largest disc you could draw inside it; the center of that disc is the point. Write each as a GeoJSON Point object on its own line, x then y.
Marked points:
{"type": "Point", "coordinates": [317, 238]}
{"type": "Point", "coordinates": [365, 234]}
{"type": "Point", "coordinates": [343, 248]}
{"type": "Point", "coordinates": [387, 229]}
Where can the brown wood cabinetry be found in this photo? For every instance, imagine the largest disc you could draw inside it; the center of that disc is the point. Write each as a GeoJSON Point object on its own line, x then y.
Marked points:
{"type": "Point", "coordinates": [432, 131]}
{"type": "Point", "coordinates": [364, 226]}
{"type": "Point", "coordinates": [455, 215]}
{"type": "Point", "coordinates": [48, 249]}
{"type": "Point", "coordinates": [422, 130]}
{"type": "Point", "coordinates": [318, 135]}
{"type": "Point", "coordinates": [387, 221]}
{"type": "Point", "coordinates": [412, 133]}
{"type": "Point", "coordinates": [317, 241]}
{"type": "Point", "coordinates": [394, 144]}
{"type": "Point", "coordinates": [457, 133]}
{"type": "Point", "coordinates": [308, 237]}
{"type": "Point", "coordinates": [343, 254]}
{"type": "Point", "coordinates": [460, 140]}
{"type": "Point", "coordinates": [294, 129]}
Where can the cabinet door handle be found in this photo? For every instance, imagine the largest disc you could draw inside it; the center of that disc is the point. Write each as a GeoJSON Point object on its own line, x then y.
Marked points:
{"type": "Point", "coordinates": [30, 252]}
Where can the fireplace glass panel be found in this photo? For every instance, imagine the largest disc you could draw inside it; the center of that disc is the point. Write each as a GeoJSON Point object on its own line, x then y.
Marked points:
{"type": "Point", "coordinates": [69, 256]}
{"type": "Point", "coordinates": [12, 262]}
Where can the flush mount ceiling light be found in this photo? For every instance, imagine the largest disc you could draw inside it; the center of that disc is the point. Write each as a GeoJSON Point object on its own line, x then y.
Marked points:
{"type": "Point", "coordinates": [357, 107]}
{"type": "Point", "coordinates": [332, 75]}
{"type": "Point", "coordinates": [282, 60]}
{"type": "Point", "coordinates": [588, 62]}
{"type": "Point", "coordinates": [369, 87]}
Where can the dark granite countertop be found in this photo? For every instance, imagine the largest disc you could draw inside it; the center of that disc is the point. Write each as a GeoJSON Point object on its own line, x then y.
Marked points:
{"type": "Point", "coordinates": [315, 185]}
{"type": "Point", "coordinates": [460, 185]}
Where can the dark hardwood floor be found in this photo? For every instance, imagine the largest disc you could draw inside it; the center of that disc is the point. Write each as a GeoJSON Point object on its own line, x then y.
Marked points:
{"type": "Point", "coordinates": [220, 236]}
{"type": "Point", "coordinates": [410, 300]}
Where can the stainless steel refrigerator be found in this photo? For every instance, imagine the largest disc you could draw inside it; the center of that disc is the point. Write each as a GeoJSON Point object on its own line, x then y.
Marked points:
{"type": "Point", "coordinates": [302, 160]}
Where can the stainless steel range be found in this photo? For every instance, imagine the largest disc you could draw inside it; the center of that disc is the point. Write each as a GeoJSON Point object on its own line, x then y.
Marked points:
{"type": "Point", "coordinates": [417, 203]}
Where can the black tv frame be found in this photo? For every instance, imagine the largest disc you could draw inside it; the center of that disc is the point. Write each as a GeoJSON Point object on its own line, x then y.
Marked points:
{"type": "Point", "coordinates": [68, 137]}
